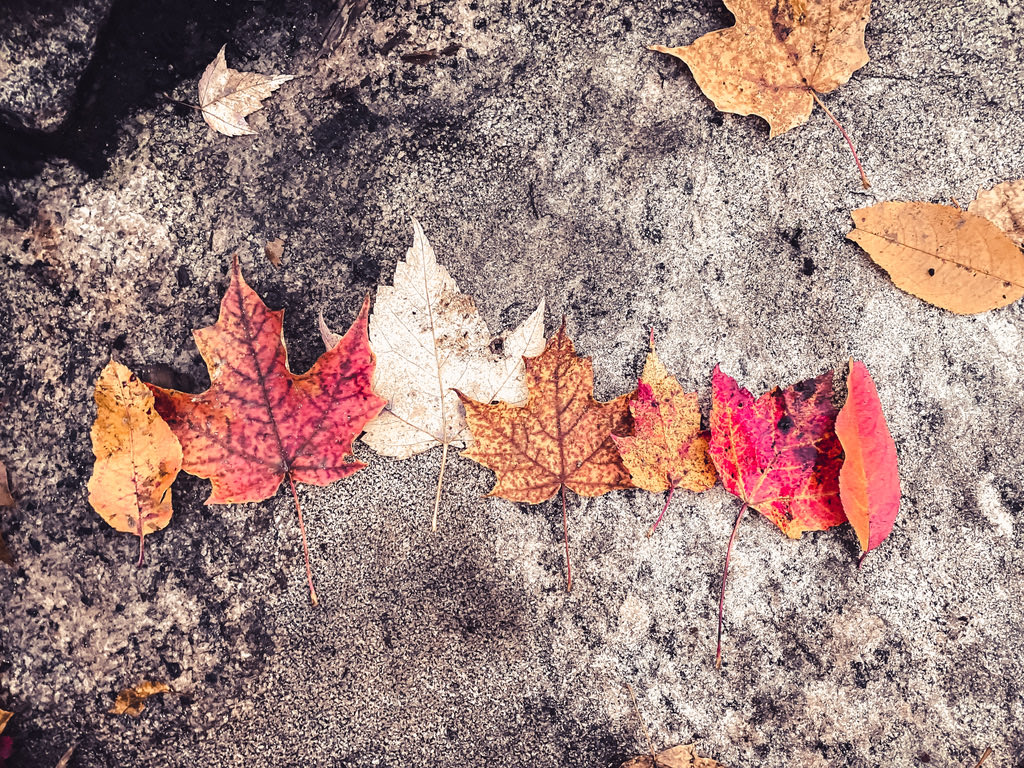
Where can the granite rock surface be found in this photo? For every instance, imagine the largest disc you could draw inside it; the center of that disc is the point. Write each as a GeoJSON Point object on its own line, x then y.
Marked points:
{"type": "Point", "coordinates": [547, 153]}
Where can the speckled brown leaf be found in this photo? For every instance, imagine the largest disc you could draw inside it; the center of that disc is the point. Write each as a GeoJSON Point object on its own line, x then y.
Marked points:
{"type": "Point", "coordinates": [274, 251]}
{"type": "Point", "coordinates": [777, 55]}
{"type": "Point", "coordinates": [226, 95]}
{"type": "Point", "coordinates": [683, 756]}
{"type": "Point", "coordinates": [560, 438]}
{"type": "Point", "coordinates": [1003, 205]}
{"type": "Point", "coordinates": [948, 257]}
{"type": "Point", "coordinates": [131, 701]}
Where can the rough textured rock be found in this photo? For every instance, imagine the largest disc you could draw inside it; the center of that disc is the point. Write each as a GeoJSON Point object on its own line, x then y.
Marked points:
{"type": "Point", "coordinates": [44, 49]}
{"type": "Point", "coordinates": [550, 155]}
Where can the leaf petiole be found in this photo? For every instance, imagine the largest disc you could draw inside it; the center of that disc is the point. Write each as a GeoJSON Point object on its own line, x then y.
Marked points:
{"type": "Point", "coordinates": [725, 575]}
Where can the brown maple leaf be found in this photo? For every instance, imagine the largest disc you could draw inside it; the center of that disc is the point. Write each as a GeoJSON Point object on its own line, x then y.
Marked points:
{"type": "Point", "coordinates": [778, 56]}
{"type": "Point", "coordinates": [226, 95]}
{"type": "Point", "coordinates": [259, 423]}
{"type": "Point", "coordinates": [561, 438]}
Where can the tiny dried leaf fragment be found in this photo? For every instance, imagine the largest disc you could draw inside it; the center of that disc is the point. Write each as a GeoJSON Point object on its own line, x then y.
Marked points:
{"type": "Point", "coordinates": [666, 448]}
{"type": "Point", "coordinates": [137, 456]}
{"type": "Point", "coordinates": [948, 257]}
{"type": "Point", "coordinates": [259, 423]}
{"type": "Point", "coordinates": [779, 454]}
{"type": "Point", "coordinates": [6, 500]}
{"type": "Point", "coordinates": [6, 743]}
{"type": "Point", "coordinates": [683, 756]}
{"type": "Point", "coordinates": [777, 55]}
{"type": "Point", "coordinates": [869, 482]}
{"type": "Point", "coordinates": [560, 438]}
{"type": "Point", "coordinates": [1003, 205]}
{"type": "Point", "coordinates": [429, 339]}
{"type": "Point", "coordinates": [227, 96]}
{"type": "Point", "coordinates": [274, 250]}
{"type": "Point", "coordinates": [131, 701]}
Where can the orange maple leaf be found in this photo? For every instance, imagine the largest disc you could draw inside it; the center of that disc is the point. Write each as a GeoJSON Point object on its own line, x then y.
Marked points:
{"type": "Point", "coordinates": [666, 448]}
{"type": "Point", "coordinates": [259, 423]}
{"type": "Point", "coordinates": [561, 438]}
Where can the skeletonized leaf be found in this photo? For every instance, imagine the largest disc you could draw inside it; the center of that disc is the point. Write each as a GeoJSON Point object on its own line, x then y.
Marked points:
{"type": "Point", "coordinates": [430, 339]}
{"type": "Point", "coordinates": [226, 95]}
{"type": "Point", "coordinates": [869, 482]}
{"type": "Point", "coordinates": [777, 55]}
{"type": "Point", "coordinates": [137, 456]}
{"type": "Point", "coordinates": [131, 701]}
{"type": "Point", "coordinates": [948, 257]}
{"type": "Point", "coordinates": [1003, 205]}
{"type": "Point", "coordinates": [683, 756]}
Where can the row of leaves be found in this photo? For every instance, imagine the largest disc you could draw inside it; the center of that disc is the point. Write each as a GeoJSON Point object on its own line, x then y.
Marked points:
{"type": "Point", "coordinates": [424, 371]}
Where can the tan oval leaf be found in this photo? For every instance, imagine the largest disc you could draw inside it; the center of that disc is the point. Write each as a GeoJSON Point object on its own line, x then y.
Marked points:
{"type": "Point", "coordinates": [946, 256]}
{"type": "Point", "coordinates": [1003, 205]}
{"type": "Point", "coordinates": [683, 756]}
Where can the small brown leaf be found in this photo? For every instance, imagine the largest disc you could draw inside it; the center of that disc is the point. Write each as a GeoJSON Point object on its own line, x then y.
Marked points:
{"type": "Point", "coordinates": [6, 500]}
{"type": "Point", "coordinates": [684, 756]}
{"type": "Point", "coordinates": [274, 250]}
{"type": "Point", "coordinates": [4, 717]}
{"type": "Point", "coordinates": [131, 701]}
{"type": "Point", "coordinates": [948, 257]}
{"type": "Point", "coordinates": [226, 95]}
{"type": "Point", "coordinates": [1003, 205]}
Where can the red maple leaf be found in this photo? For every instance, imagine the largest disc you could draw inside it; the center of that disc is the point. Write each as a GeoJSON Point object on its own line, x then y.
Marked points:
{"type": "Point", "coordinates": [779, 454]}
{"type": "Point", "coordinates": [259, 423]}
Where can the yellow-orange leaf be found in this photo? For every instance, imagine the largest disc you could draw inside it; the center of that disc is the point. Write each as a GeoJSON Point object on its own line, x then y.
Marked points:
{"type": "Point", "coordinates": [131, 701]}
{"type": "Point", "coordinates": [137, 456]}
{"type": "Point", "coordinates": [777, 55]}
{"type": "Point", "coordinates": [684, 756]}
{"type": "Point", "coordinates": [1003, 205]}
{"type": "Point", "coordinates": [946, 256]}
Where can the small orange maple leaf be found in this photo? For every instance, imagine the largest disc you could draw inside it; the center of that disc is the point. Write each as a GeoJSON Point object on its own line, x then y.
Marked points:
{"type": "Point", "coordinates": [561, 438]}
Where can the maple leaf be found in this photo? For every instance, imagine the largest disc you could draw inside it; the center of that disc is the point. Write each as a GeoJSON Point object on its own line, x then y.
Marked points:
{"type": "Point", "coordinates": [666, 448]}
{"type": "Point", "coordinates": [226, 95]}
{"type": "Point", "coordinates": [259, 423]}
{"type": "Point", "coordinates": [778, 56]}
{"type": "Point", "coordinates": [1003, 205]}
{"type": "Point", "coordinates": [683, 756]}
{"type": "Point", "coordinates": [779, 454]}
{"type": "Point", "coordinates": [869, 482]}
{"type": "Point", "coordinates": [430, 339]}
{"type": "Point", "coordinates": [131, 701]}
{"type": "Point", "coordinates": [560, 438]}
{"type": "Point", "coordinates": [946, 256]}
{"type": "Point", "coordinates": [137, 456]}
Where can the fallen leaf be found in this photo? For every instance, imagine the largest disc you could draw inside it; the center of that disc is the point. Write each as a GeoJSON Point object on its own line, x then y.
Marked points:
{"type": "Point", "coordinates": [259, 423]}
{"type": "Point", "coordinates": [137, 456]}
{"type": "Point", "coordinates": [1003, 205]}
{"type": "Point", "coordinates": [6, 499]}
{"type": "Point", "coordinates": [5, 716]}
{"type": "Point", "coordinates": [561, 438]}
{"type": "Point", "coordinates": [6, 743]}
{"type": "Point", "coordinates": [226, 95]}
{"type": "Point", "coordinates": [131, 701]}
{"type": "Point", "coordinates": [65, 759]}
{"type": "Point", "coordinates": [869, 481]}
{"type": "Point", "coordinates": [666, 448]}
{"type": "Point", "coordinates": [429, 339]}
{"type": "Point", "coordinates": [684, 756]}
{"type": "Point", "coordinates": [946, 256]}
{"type": "Point", "coordinates": [777, 56]}
{"type": "Point", "coordinates": [274, 251]}
{"type": "Point", "coordinates": [779, 454]}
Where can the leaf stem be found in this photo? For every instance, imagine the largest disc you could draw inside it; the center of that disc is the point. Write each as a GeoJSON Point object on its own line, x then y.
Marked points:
{"type": "Point", "coordinates": [643, 725]}
{"type": "Point", "coordinates": [860, 563]}
{"type": "Point", "coordinates": [725, 574]}
{"type": "Point", "coordinates": [142, 544]}
{"type": "Point", "coordinates": [305, 547]}
{"type": "Point", "coordinates": [568, 564]}
{"type": "Point", "coordinates": [863, 176]}
{"type": "Point", "coordinates": [650, 531]}
{"type": "Point", "coordinates": [440, 480]}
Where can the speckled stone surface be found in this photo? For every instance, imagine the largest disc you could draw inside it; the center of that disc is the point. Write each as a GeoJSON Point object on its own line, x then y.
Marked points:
{"type": "Point", "coordinates": [550, 155]}
{"type": "Point", "coordinates": [45, 46]}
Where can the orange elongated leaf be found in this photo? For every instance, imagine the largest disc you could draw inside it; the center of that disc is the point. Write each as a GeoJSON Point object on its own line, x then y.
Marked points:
{"type": "Point", "coordinates": [131, 701]}
{"type": "Point", "coordinates": [666, 448]}
{"type": "Point", "coordinates": [137, 456]}
{"type": "Point", "coordinates": [869, 482]}
{"type": "Point", "coordinates": [561, 438]}
{"type": "Point", "coordinates": [259, 423]}
{"type": "Point", "coordinates": [779, 454]}
{"type": "Point", "coordinates": [946, 256]}
{"type": "Point", "coordinates": [683, 756]}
